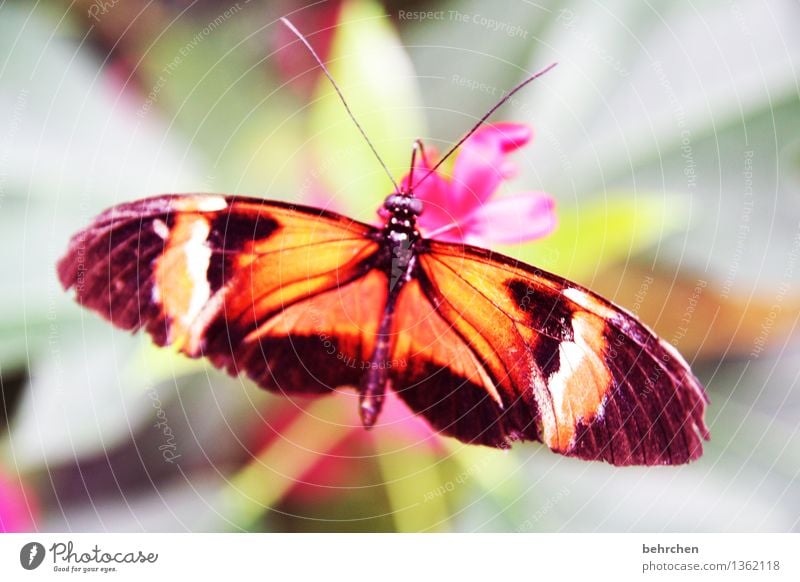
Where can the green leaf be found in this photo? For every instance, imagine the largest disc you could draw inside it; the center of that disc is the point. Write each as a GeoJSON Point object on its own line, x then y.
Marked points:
{"type": "Point", "coordinates": [161, 364]}
{"type": "Point", "coordinates": [600, 232]}
{"type": "Point", "coordinates": [495, 471]}
{"type": "Point", "coordinates": [377, 79]}
{"type": "Point", "coordinates": [413, 486]}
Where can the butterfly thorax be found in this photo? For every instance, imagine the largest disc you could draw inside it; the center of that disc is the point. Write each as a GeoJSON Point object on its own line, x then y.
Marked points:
{"type": "Point", "coordinates": [402, 211]}
{"type": "Point", "coordinates": [400, 236]}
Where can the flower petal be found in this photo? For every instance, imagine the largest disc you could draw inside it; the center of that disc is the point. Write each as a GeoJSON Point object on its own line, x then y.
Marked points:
{"type": "Point", "coordinates": [16, 508]}
{"type": "Point", "coordinates": [511, 219]}
{"type": "Point", "coordinates": [481, 164]}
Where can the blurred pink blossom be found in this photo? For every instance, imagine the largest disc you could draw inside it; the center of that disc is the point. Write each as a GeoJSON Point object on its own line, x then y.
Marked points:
{"type": "Point", "coordinates": [16, 509]}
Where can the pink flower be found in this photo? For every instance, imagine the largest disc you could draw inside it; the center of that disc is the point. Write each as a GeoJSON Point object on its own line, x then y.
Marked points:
{"type": "Point", "coordinates": [17, 509]}
{"type": "Point", "coordinates": [458, 208]}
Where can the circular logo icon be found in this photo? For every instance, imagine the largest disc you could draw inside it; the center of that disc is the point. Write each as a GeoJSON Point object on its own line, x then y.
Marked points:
{"type": "Point", "coordinates": [31, 555]}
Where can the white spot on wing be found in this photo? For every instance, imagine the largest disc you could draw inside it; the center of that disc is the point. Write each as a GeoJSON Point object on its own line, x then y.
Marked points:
{"type": "Point", "coordinates": [161, 229]}
{"type": "Point", "coordinates": [570, 356]}
{"type": "Point", "coordinates": [200, 203]}
{"type": "Point", "coordinates": [589, 303]}
{"type": "Point", "coordinates": [203, 320]}
{"type": "Point", "coordinates": [601, 410]}
{"type": "Point", "coordinates": [581, 369]}
{"type": "Point", "coordinates": [577, 296]}
{"type": "Point", "coordinates": [198, 258]}
{"type": "Point", "coordinates": [211, 203]}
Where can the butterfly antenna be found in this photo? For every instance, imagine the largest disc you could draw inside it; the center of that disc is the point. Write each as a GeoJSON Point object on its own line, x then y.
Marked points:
{"type": "Point", "coordinates": [483, 119]}
{"type": "Point", "coordinates": [325, 70]}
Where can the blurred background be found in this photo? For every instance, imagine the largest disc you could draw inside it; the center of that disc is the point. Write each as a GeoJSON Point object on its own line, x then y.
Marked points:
{"type": "Point", "coordinates": [669, 136]}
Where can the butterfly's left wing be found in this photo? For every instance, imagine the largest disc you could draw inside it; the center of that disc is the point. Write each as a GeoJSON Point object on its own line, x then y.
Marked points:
{"type": "Point", "coordinates": [284, 293]}
{"type": "Point", "coordinates": [500, 351]}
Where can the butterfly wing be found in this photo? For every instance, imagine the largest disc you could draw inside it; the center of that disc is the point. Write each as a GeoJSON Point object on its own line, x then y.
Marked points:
{"type": "Point", "coordinates": [535, 357]}
{"type": "Point", "coordinates": [284, 293]}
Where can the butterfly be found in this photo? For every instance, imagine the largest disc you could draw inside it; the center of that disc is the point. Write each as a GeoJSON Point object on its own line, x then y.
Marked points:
{"type": "Point", "coordinates": [307, 301]}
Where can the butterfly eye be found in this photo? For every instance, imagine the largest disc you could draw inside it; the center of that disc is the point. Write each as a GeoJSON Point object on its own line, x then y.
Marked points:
{"type": "Point", "coordinates": [391, 201]}
{"type": "Point", "coordinates": [415, 205]}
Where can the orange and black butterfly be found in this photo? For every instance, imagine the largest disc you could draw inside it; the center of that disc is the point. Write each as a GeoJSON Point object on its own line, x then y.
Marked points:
{"type": "Point", "coordinates": [488, 350]}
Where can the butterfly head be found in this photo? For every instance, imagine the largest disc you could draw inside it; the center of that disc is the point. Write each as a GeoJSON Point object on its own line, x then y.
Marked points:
{"type": "Point", "coordinates": [403, 203]}
{"type": "Point", "coordinates": [400, 210]}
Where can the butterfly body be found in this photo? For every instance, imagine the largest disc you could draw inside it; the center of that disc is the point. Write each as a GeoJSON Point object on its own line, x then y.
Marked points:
{"type": "Point", "coordinates": [399, 239]}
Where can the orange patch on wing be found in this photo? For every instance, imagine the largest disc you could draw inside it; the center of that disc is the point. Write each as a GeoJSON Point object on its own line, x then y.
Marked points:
{"type": "Point", "coordinates": [422, 334]}
{"type": "Point", "coordinates": [268, 283]}
{"type": "Point", "coordinates": [299, 231]}
{"type": "Point", "coordinates": [348, 315]}
{"type": "Point", "coordinates": [181, 274]}
{"type": "Point", "coordinates": [578, 389]}
{"type": "Point", "coordinates": [487, 328]}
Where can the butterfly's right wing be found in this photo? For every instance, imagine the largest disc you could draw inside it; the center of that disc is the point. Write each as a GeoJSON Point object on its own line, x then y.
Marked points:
{"type": "Point", "coordinates": [284, 293]}
{"type": "Point", "coordinates": [499, 351]}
